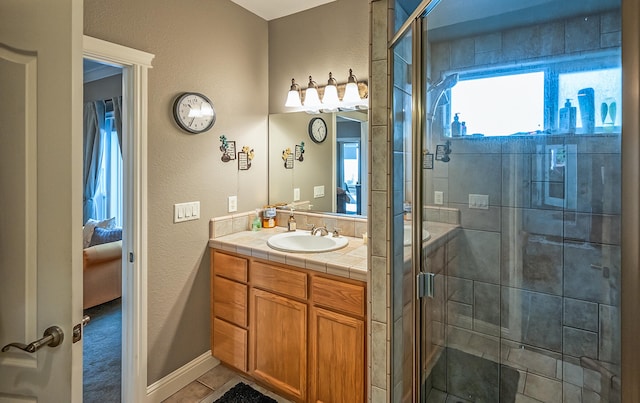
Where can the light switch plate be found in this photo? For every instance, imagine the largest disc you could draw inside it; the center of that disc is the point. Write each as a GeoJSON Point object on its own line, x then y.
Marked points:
{"type": "Point", "coordinates": [479, 201]}
{"type": "Point", "coordinates": [438, 197]}
{"type": "Point", "coordinates": [186, 211]}
{"type": "Point", "coordinates": [318, 191]}
{"type": "Point", "coordinates": [296, 194]}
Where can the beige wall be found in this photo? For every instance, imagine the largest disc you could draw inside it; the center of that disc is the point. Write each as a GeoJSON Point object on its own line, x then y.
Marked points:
{"type": "Point", "coordinates": [331, 38]}
{"type": "Point", "coordinates": [225, 52]}
{"type": "Point", "coordinates": [219, 49]}
{"type": "Point", "coordinates": [106, 88]}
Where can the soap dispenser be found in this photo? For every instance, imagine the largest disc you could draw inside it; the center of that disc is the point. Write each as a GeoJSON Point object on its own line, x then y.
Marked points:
{"type": "Point", "coordinates": [567, 118]}
{"type": "Point", "coordinates": [256, 224]}
{"type": "Point", "coordinates": [291, 224]}
{"type": "Point", "coordinates": [455, 126]}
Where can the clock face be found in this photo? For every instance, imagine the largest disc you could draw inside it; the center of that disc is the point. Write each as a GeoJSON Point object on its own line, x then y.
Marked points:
{"type": "Point", "coordinates": [194, 112]}
{"type": "Point", "coordinates": [318, 130]}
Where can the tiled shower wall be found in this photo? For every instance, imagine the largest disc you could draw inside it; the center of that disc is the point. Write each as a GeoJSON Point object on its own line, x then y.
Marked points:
{"type": "Point", "coordinates": [528, 43]}
{"type": "Point", "coordinates": [528, 268]}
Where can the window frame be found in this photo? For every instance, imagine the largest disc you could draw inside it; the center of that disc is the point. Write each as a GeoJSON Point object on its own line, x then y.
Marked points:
{"type": "Point", "coordinates": [552, 68]}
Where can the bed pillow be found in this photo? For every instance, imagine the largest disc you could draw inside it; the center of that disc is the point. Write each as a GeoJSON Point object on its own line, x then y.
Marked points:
{"type": "Point", "coordinates": [91, 224]}
{"type": "Point", "coordinates": [105, 235]}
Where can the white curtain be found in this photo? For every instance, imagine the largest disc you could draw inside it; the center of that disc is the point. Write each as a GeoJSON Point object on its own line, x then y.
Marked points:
{"type": "Point", "coordinates": [94, 113]}
{"type": "Point", "coordinates": [117, 117]}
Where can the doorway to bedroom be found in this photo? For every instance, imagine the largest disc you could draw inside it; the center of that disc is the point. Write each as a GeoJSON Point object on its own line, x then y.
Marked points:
{"type": "Point", "coordinates": [103, 217]}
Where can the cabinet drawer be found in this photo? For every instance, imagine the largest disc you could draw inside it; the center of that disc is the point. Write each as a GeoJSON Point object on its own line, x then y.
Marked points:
{"type": "Point", "coordinates": [232, 267]}
{"type": "Point", "coordinates": [344, 297]}
{"type": "Point", "coordinates": [230, 301]}
{"type": "Point", "coordinates": [278, 279]}
{"type": "Point", "coordinates": [230, 344]}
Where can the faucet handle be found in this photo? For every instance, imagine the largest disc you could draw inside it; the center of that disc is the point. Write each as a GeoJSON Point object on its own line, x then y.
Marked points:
{"type": "Point", "coordinates": [311, 226]}
{"type": "Point", "coordinates": [336, 233]}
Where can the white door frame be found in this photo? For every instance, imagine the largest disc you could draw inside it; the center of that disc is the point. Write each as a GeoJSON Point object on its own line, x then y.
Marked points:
{"type": "Point", "coordinates": [135, 65]}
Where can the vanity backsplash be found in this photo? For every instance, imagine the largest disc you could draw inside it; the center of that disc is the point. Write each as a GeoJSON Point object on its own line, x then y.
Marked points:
{"type": "Point", "coordinates": [347, 226]}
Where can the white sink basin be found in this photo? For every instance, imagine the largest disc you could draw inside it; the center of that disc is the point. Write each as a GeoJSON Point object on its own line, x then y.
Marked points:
{"type": "Point", "coordinates": [407, 235]}
{"type": "Point", "coordinates": [304, 242]}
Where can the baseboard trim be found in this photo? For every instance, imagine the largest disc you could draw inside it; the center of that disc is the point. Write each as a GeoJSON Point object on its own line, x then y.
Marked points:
{"type": "Point", "coordinates": [181, 377]}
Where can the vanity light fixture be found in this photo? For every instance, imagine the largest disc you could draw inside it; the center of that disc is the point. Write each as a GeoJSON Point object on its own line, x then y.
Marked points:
{"type": "Point", "coordinates": [354, 95]}
{"type": "Point", "coordinates": [293, 98]}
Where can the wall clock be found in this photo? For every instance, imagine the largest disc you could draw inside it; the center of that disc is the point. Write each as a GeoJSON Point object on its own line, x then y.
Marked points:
{"type": "Point", "coordinates": [194, 112]}
{"type": "Point", "coordinates": [318, 130]}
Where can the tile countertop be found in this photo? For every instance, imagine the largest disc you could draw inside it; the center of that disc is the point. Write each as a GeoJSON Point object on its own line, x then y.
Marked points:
{"type": "Point", "coordinates": [349, 262]}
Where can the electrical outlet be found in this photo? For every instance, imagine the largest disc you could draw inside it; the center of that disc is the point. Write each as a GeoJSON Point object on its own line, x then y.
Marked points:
{"type": "Point", "coordinates": [233, 204]}
{"type": "Point", "coordinates": [296, 194]}
{"type": "Point", "coordinates": [438, 197]}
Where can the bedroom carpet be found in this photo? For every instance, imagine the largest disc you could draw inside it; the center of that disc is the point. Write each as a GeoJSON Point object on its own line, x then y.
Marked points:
{"type": "Point", "coordinates": [102, 349]}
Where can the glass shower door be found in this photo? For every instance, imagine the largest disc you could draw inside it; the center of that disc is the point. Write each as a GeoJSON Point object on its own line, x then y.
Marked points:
{"type": "Point", "coordinates": [521, 189]}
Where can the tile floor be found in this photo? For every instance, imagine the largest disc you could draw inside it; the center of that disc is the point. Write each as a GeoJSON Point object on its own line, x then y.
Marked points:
{"type": "Point", "coordinates": [214, 384]}
{"type": "Point", "coordinates": [545, 376]}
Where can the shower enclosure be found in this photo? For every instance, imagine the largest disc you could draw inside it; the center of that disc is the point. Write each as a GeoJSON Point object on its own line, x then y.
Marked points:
{"type": "Point", "coordinates": [506, 173]}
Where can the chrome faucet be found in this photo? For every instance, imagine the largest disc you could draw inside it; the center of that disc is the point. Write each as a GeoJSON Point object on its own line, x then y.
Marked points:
{"type": "Point", "coordinates": [323, 230]}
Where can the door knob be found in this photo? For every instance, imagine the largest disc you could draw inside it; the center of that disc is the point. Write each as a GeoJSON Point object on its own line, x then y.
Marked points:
{"type": "Point", "coordinates": [52, 337]}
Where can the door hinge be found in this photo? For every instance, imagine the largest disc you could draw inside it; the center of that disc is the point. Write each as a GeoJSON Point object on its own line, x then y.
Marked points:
{"type": "Point", "coordinates": [425, 285]}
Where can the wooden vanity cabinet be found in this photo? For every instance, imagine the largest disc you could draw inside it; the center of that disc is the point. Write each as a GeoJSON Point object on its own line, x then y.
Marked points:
{"type": "Point", "coordinates": [300, 332]}
{"type": "Point", "coordinates": [229, 297]}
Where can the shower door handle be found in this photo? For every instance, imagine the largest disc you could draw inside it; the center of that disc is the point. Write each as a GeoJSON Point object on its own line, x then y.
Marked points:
{"type": "Point", "coordinates": [425, 285]}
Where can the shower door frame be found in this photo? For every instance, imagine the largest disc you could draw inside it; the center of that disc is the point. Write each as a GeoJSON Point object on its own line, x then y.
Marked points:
{"type": "Point", "coordinates": [630, 244]}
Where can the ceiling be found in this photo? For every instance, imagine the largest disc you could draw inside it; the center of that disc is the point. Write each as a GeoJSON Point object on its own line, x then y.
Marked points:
{"type": "Point", "coordinates": [97, 70]}
{"type": "Point", "coordinates": [272, 9]}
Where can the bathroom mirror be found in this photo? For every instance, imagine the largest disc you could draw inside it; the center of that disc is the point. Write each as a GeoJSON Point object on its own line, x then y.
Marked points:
{"type": "Point", "coordinates": [332, 175]}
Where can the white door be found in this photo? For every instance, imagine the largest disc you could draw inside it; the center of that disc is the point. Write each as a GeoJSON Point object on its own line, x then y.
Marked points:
{"type": "Point", "coordinates": [40, 197]}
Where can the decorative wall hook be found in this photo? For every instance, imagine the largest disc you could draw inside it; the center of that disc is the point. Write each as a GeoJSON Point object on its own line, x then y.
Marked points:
{"type": "Point", "coordinates": [300, 151]}
{"type": "Point", "coordinates": [228, 149]}
{"type": "Point", "coordinates": [244, 158]}
{"type": "Point", "coordinates": [287, 157]}
{"type": "Point", "coordinates": [443, 151]}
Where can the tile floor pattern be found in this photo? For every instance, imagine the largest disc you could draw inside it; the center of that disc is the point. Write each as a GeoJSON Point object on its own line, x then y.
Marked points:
{"type": "Point", "coordinates": [213, 384]}
{"type": "Point", "coordinates": [544, 377]}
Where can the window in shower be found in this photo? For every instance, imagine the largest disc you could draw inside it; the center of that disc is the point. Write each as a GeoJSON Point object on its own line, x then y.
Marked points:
{"type": "Point", "coordinates": [517, 103]}
{"type": "Point", "coordinates": [521, 100]}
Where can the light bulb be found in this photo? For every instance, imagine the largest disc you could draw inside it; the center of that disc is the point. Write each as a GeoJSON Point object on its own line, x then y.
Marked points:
{"type": "Point", "coordinates": [351, 96]}
{"type": "Point", "coordinates": [293, 97]}
{"type": "Point", "coordinates": [311, 98]}
{"type": "Point", "coordinates": [330, 99]}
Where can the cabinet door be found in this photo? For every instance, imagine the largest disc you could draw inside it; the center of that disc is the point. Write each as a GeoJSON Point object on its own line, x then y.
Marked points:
{"type": "Point", "coordinates": [278, 349]}
{"type": "Point", "coordinates": [337, 367]}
